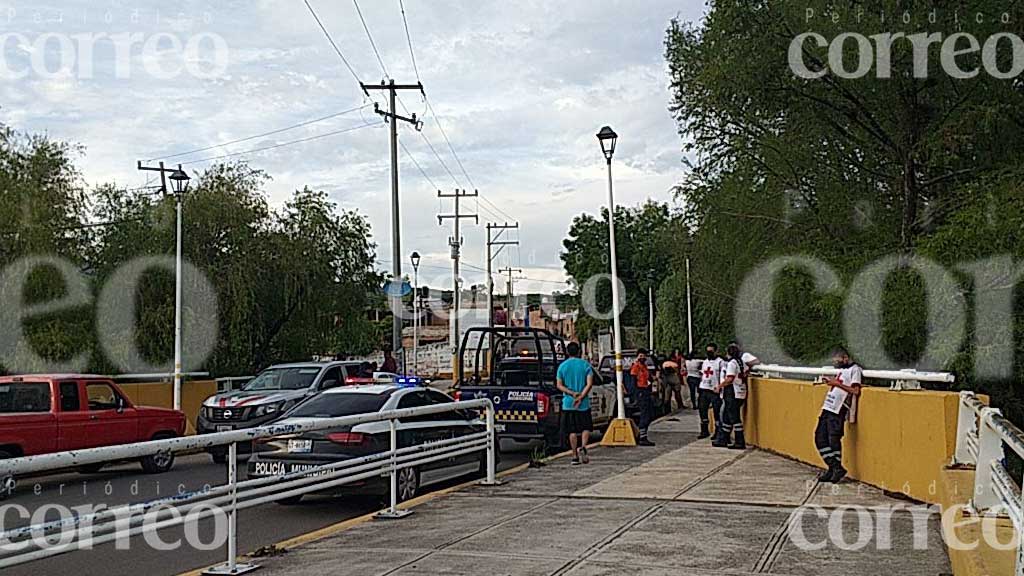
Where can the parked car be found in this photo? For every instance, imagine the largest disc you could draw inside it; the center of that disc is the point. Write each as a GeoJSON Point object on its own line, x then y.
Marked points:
{"type": "Point", "coordinates": [298, 452]}
{"type": "Point", "coordinates": [521, 383]}
{"type": "Point", "coordinates": [46, 413]}
{"type": "Point", "coordinates": [266, 397]}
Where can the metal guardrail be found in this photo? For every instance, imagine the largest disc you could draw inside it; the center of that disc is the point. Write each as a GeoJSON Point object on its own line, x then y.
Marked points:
{"type": "Point", "coordinates": [20, 545]}
{"type": "Point", "coordinates": [902, 379]}
{"type": "Point", "coordinates": [982, 433]}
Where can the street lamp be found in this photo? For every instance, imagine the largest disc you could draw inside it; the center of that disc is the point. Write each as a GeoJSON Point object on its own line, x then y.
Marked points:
{"type": "Point", "coordinates": [415, 257]}
{"type": "Point", "coordinates": [622, 431]}
{"type": "Point", "coordinates": [179, 183]}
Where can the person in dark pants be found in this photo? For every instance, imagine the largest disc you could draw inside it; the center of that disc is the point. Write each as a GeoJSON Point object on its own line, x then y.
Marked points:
{"type": "Point", "coordinates": [843, 391]}
{"type": "Point", "coordinates": [693, 364]}
{"type": "Point", "coordinates": [642, 378]}
{"type": "Point", "coordinates": [734, 395]}
{"type": "Point", "coordinates": [711, 377]}
{"type": "Point", "coordinates": [672, 371]}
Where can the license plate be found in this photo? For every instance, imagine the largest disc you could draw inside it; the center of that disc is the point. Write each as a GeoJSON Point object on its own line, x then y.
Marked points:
{"type": "Point", "coordinates": [300, 446]}
{"type": "Point", "coordinates": [225, 428]}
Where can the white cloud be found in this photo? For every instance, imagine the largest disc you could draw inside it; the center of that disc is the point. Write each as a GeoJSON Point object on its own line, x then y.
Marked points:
{"type": "Point", "coordinates": [521, 88]}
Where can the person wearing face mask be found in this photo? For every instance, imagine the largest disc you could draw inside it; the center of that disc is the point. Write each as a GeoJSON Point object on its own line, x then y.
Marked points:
{"type": "Point", "coordinates": [642, 376]}
{"type": "Point", "coordinates": [841, 398]}
{"type": "Point", "coordinates": [734, 395]}
{"type": "Point", "coordinates": [710, 381]}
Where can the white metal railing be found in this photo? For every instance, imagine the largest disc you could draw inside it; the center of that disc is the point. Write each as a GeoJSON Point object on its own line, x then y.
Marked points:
{"type": "Point", "coordinates": [21, 545]}
{"type": "Point", "coordinates": [908, 379]}
{"type": "Point", "coordinates": [982, 433]}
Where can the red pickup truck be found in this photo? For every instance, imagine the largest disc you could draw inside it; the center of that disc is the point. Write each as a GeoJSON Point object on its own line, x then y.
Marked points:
{"type": "Point", "coordinates": [44, 413]}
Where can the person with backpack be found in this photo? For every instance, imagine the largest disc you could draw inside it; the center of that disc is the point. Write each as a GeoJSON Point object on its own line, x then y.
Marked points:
{"type": "Point", "coordinates": [843, 391]}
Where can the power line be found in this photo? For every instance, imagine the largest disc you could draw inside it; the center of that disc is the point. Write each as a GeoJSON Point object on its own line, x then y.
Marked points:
{"type": "Point", "coordinates": [408, 39]}
{"type": "Point", "coordinates": [417, 164]}
{"type": "Point", "coordinates": [263, 135]}
{"type": "Point", "coordinates": [289, 143]}
{"type": "Point", "coordinates": [331, 40]}
{"type": "Point", "coordinates": [372, 43]}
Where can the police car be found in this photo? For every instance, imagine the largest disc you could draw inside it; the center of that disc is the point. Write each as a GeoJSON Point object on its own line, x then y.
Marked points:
{"type": "Point", "coordinates": [521, 382]}
{"type": "Point", "coordinates": [286, 454]}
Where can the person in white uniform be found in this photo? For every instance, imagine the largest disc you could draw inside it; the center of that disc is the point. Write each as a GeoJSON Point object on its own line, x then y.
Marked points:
{"type": "Point", "coordinates": [710, 389]}
{"type": "Point", "coordinates": [843, 391]}
{"type": "Point", "coordinates": [734, 396]}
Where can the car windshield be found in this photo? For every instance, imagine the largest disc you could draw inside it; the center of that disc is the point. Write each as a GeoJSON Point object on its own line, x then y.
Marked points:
{"type": "Point", "coordinates": [283, 379]}
{"type": "Point", "coordinates": [335, 405]}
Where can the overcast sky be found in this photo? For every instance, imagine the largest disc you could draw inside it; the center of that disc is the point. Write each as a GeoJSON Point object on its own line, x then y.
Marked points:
{"type": "Point", "coordinates": [519, 87]}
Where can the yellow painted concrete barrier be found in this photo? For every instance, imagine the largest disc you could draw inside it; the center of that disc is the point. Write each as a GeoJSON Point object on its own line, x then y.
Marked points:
{"type": "Point", "coordinates": [901, 442]}
{"type": "Point", "coordinates": [978, 546]}
{"type": "Point", "coordinates": [161, 395]}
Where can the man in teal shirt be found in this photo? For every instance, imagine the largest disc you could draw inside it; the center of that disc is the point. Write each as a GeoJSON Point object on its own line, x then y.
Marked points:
{"type": "Point", "coordinates": [575, 381]}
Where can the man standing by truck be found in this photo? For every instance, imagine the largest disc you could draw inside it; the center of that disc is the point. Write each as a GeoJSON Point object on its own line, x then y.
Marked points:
{"type": "Point", "coordinates": [575, 380]}
{"type": "Point", "coordinates": [642, 379]}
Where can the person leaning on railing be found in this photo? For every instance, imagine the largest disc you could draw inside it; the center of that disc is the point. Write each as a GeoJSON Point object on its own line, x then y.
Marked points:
{"type": "Point", "coordinates": [840, 400]}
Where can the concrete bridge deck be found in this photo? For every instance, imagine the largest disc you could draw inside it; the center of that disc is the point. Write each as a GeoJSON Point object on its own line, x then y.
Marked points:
{"type": "Point", "coordinates": [682, 508]}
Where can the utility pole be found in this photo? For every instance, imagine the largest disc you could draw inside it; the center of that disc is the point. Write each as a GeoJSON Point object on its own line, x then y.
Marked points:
{"type": "Point", "coordinates": [491, 242]}
{"type": "Point", "coordinates": [508, 297]}
{"type": "Point", "coordinates": [456, 244]}
{"type": "Point", "coordinates": [180, 180]}
{"type": "Point", "coordinates": [391, 116]}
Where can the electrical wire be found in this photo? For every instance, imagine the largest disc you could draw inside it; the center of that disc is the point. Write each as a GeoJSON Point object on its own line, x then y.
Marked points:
{"type": "Point", "coordinates": [331, 40]}
{"type": "Point", "coordinates": [408, 38]}
{"type": "Point", "coordinates": [282, 144]}
{"type": "Point", "coordinates": [263, 135]}
{"type": "Point", "coordinates": [372, 43]}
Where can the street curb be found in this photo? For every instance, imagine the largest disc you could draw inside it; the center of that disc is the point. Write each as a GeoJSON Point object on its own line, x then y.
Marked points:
{"type": "Point", "coordinates": [344, 525]}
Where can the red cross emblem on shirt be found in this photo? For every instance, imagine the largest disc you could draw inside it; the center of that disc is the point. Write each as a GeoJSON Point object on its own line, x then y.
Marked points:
{"type": "Point", "coordinates": [708, 372]}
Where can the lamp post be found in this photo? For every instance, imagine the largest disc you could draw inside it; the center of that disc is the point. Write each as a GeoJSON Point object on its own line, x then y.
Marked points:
{"type": "Point", "coordinates": [415, 257]}
{"type": "Point", "coordinates": [622, 431]}
{"type": "Point", "coordinates": [179, 183]}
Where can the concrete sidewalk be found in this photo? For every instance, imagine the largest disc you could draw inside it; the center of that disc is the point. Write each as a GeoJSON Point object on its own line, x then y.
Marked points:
{"type": "Point", "coordinates": [682, 508]}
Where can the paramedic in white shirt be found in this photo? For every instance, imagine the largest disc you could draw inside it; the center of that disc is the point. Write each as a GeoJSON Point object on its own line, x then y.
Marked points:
{"type": "Point", "coordinates": [734, 394]}
{"type": "Point", "coordinates": [710, 379]}
{"type": "Point", "coordinates": [843, 390]}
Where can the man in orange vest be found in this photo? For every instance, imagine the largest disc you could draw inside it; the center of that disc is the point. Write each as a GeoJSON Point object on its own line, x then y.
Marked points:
{"type": "Point", "coordinates": [642, 378]}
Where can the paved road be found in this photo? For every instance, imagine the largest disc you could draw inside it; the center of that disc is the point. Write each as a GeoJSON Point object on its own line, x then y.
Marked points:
{"type": "Point", "coordinates": [258, 527]}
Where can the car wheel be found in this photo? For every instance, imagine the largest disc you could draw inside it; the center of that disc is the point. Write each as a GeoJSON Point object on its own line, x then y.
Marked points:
{"type": "Point", "coordinates": [161, 461]}
{"type": "Point", "coordinates": [408, 484]}
{"type": "Point", "coordinates": [91, 468]}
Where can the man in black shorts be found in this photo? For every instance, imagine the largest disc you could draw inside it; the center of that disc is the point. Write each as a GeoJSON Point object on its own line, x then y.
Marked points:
{"type": "Point", "coordinates": [575, 381]}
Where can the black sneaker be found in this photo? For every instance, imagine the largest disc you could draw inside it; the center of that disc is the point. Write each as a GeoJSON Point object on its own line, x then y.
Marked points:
{"type": "Point", "coordinates": [645, 442]}
{"type": "Point", "coordinates": [575, 461]}
{"type": "Point", "coordinates": [703, 435]}
{"type": "Point", "coordinates": [825, 476]}
{"type": "Point", "coordinates": [837, 475]}
{"type": "Point", "coordinates": [737, 446]}
{"type": "Point", "coordinates": [585, 456]}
